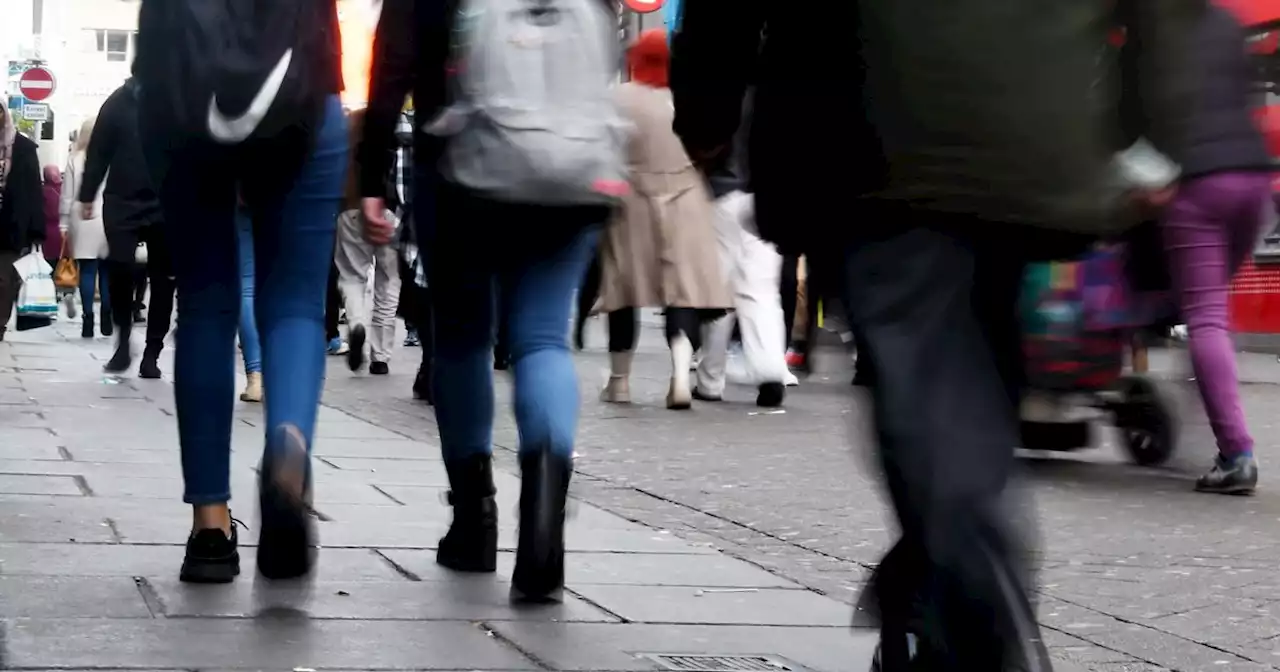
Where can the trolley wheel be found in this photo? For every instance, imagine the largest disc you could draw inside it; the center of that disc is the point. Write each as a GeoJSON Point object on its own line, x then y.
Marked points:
{"type": "Point", "coordinates": [1145, 417]}
{"type": "Point", "coordinates": [1058, 437]}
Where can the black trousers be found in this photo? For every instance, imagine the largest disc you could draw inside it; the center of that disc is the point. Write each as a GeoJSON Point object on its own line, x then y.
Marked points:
{"type": "Point", "coordinates": [934, 306]}
{"type": "Point", "coordinates": [624, 323]}
{"type": "Point", "coordinates": [415, 307]}
{"type": "Point", "coordinates": [122, 281]}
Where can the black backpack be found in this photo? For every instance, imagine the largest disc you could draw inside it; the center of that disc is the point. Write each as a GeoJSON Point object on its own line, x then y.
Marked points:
{"type": "Point", "coordinates": [236, 71]}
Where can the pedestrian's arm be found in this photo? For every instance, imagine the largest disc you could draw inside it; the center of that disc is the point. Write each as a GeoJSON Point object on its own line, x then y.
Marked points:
{"type": "Point", "coordinates": [715, 50]}
{"type": "Point", "coordinates": [102, 147]}
{"type": "Point", "coordinates": [391, 80]}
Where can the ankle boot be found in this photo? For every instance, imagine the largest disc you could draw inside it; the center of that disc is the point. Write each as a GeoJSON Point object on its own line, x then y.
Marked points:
{"type": "Point", "coordinates": [252, 389]}
{"type": "Point", "coordinates": [86, 325]}
{"type": "Point", "coordinates": [618, 389]}
{"type": "Point", "coordinates": [544, 491]}
{"type": "Point", "coordinates": [679, 395]}
{"type": "Point", "coordinates": [150, 367]}
{"type": "Point", "coordinates": [471, 545]}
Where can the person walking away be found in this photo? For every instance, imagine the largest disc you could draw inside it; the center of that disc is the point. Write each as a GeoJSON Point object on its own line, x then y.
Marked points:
{"type": "Point", "coordinates": [934, 245]}
{"type": "Point", "coordinates": [21, 213]}
{"type": "Point", "coordinates": [356, 258]}
{"type": "Point", "coordinates": [131, 214]}
{"type": "Point", "coordinates": [1213, 221]}
{"type": "Point", "coordinates": [752, 268]}
{"type": "Point", "coordinates": [250, 344]}
{"type": "Point", "coordinates": [54, 238]}
{"type": "Point", "coordinates": [661, 248]}
{"type": "Point", "coordinates": [288, 168]}
{"type": "Point", "coordinates": [507, 229]}
{"type": "Point", "coordinates": [87, 237]}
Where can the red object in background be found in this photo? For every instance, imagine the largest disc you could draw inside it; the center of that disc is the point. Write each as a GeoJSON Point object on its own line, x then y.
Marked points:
{"type": "Point", "coordinates": [1255, 299]}
{"type": "Point", "coordinates": [643, 6]}
{"type": "Point", "coordinates": [37, 84]}
{"type": "Point", "coordinates": [1252, 12]}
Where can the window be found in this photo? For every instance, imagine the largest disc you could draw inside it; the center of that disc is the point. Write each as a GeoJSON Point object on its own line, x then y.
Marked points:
{"type": "Point", "coordinates": [116, 44]}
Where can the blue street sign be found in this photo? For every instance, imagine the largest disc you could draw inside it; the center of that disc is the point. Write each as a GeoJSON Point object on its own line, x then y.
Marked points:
{"type": "Point", "coordinates": [16, 103]}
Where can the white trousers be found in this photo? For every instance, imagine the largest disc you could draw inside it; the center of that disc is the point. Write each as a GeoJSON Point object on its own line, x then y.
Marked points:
{"type": "Point", "coordinates": [753, 268]}
{"type": "Point", "coordinates": [356, 258]}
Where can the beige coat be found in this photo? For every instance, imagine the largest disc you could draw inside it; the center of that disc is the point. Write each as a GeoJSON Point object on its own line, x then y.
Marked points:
{"type": "Point", "coordinates": [660, 249]}
{"type": "Point", "coordinates": [88, 239]}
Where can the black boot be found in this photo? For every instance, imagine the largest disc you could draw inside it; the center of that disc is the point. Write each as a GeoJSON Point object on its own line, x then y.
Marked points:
{"type": "Point", "coordinates": [544, 489]}
{"type": "Point", "coordinates": [422, 385]}
{"type": "Point", "coordinates": [150, 367]}
{"type": "Point", "coordinates": [86, 326]}
{"type": "Point", "coordinates": [471, 545]}
{"type": "Point", "coordinates": [123, 357]}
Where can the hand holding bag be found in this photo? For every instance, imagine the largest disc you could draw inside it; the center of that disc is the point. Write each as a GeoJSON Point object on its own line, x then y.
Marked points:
{"type": "Point", "coordinates": [67, 274]}
{"type": "Point", "coordinates": [37, 298]}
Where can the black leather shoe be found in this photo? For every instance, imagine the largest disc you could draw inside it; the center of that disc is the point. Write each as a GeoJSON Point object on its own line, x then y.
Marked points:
{"type": "Point", "coordinates": [544, 491]}
{"type": "Point", "coordinates": [471, 545]}
{"type": "Point", "coordinates": [379, 368]}
{"type": "Point", "coordinates": [1236, 475]}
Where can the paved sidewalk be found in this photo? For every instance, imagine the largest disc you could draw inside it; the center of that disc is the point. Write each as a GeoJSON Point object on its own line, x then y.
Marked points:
{"type": "Point", "coordinates": [92, 526]}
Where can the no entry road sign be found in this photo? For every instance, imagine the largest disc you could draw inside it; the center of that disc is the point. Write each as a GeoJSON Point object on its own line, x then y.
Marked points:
{"type": "Point", "coordinates": [36, 84]}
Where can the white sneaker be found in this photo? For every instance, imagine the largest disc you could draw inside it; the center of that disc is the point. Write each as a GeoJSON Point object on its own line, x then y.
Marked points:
{"type": "Point", "coordinates": [790, 380]}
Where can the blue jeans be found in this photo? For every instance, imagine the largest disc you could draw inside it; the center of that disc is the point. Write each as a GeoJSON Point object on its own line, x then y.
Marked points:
{"type": "Point", "coordinates": [293, 246]}
{"type": "Point", "coordinates": [531, 275]}
{"type": "Point", "coordinates": [92, 273]}
{"type": "Point", "coordinates": [250, 346]}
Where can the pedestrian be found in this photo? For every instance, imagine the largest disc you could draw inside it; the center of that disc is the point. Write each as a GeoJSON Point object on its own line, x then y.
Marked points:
{"type": "Point", "coordinates": [511, 236]}
{"type": "Point", "coordinates": [287, 165]}
{"type": "Point", "coordinates": [132, 217]}
{"type": "Point", "coordinates": [21, 208]}
{"type": "Point", "coordinates": [88, 238]}
{"type": "Point", "coordinates": [356, 258]}
{"type": "Point", "coordinates": [945, 191]}
{"type": "Point", "coordinates": [751, 268]}
{"type": "Point", "coordinates": [250, 343]}
{"type": "Point", "coordinates": [661, 248]}
{"type": "Point", "coordinates": [1214, 219]}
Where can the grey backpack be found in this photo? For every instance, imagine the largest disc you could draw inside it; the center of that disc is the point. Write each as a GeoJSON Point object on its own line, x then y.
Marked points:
{"type": "Point", "coordinates": [533, 117]}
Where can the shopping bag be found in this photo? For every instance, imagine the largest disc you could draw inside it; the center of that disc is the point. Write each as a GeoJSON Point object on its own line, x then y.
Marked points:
{"type": "Point", "coordinates": [1061, 352]}
{"type": "Point", "coordinates": [66, 275]}
{"type": "Point", "coordinates": [37, 297]}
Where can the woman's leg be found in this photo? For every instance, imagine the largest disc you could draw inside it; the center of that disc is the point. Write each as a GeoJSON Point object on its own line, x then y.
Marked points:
{"type": "Point", "coordinates": [120, 277]}
{"type": "Point", "coordinates": [292, 252]}
{"type": "Point", "coordinates": [622, 345]}
{"type": "Point", "coordinates": [108, 326]}
{"type": "Point", "coordinates": [789, 288]}
{"type": "Point", "coordinates": [88, 282]}
{"type": "Point", "coordinates": [250, 346]}
{"type": "Point", "coordinates": [200, 212]}
{"type": "Point", "coordinates": [538, 297]}
{"type": "Point", "coordinates": [1198, 235]}
{"type": "Point", "coordinates": [461, 290]}
{"type": "Point", "coordinates": [684, 337]}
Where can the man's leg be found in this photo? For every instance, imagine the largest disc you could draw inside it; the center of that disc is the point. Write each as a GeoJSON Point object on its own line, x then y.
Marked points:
{"type": "Point", "coordinates": [354, 258]}
{"type": "Point", "coordinates": [386, 301]}
{"type": "Point", "coordinates": [933, 311]}
{"type": "Point", "coordinates": [332, 307]}
{"type": "Point", "coordinates": [759, 306]}
{"type": "Point", "coordinates": [120, 277]}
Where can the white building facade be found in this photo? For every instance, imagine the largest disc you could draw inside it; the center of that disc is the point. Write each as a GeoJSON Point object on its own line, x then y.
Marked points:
{"type": "Point", "coordinates": [87, 44]}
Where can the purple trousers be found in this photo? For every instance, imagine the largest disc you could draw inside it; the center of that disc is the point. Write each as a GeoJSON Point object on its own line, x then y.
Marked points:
{"type": "Point", "coordinates": [1210, 227]}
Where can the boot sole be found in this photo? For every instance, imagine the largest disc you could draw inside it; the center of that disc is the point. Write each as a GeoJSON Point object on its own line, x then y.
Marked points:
{"type": "Point", "coordinates": [285, 549]}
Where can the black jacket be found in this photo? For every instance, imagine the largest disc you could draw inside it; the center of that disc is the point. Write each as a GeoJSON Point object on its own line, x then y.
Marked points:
{"type": "Point", "coordinates": [1213, 102]}
{"type": "Point", "coordinates": [811, 146]}
{"type": "Point", "coordinates": [22, 211]}
{"type": "Point", "coordinates": [129, 201]}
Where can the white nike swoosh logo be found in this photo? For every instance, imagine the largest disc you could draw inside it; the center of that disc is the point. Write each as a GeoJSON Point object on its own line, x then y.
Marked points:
{"type": "Point", "coordinates": [231, 131]}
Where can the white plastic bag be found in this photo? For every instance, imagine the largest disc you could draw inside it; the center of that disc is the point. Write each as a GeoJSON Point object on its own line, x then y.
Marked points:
{"type": "Point", "coordinates": [38, 297]}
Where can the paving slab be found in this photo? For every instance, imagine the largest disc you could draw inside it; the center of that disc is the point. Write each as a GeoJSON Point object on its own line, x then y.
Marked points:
{"type": "Point", "coordinates": [283, 643]}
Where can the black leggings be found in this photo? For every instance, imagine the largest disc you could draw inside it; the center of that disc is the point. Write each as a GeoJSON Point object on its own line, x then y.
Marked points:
{"type": "Point", "coordinates": [623, 322]}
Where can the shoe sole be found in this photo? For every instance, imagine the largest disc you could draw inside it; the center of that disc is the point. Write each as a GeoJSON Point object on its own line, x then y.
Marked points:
{"type": "Point", "coordinates": [285, 548]}
{"type": "Point", "coordinates": [1237, 491]}
{"type": "Point", "coordinates": [355, 341]}
{"type": "Point", "coordinates": [210, 572]}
